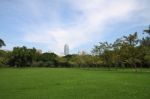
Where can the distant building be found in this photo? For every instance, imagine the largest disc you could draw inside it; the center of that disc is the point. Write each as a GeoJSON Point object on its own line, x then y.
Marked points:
{"type": "Point", "coordinates": [66, 50]}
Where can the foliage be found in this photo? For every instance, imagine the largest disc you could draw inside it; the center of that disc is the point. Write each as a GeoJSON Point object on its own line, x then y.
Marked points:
{"type": "Point", "coordinates": [2, 43]}
{"type": "Point", "coordinates": [128, 51]}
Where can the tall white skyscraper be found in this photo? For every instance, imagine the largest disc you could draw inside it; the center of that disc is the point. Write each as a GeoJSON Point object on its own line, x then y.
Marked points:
{"type": "Point", "coordinates": [66, 49]}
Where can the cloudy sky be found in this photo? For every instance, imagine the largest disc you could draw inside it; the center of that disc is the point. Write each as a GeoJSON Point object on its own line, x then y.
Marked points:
{"type": "Point", "coordinates": [49, 24]}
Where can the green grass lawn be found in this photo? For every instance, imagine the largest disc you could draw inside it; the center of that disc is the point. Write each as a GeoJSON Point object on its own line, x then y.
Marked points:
{"type": "Point", "coordinates": [63, 83]}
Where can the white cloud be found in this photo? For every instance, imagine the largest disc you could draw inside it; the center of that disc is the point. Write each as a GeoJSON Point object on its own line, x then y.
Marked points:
{"type": "Point", "coordinates": [95, 16]}
{"type": "Point", "coordinates": [56, 38]}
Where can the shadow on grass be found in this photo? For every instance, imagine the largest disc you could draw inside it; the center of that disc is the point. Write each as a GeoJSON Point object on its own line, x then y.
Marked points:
{"type": "Point", "coordinates": [139, 70]}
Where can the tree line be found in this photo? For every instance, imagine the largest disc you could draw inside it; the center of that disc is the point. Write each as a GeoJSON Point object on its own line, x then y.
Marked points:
{"type": "Point", "coordinates": [126, 52]}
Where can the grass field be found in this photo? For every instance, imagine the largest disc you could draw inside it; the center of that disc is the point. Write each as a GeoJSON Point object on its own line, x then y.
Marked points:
{"type": "Point", "coordinates": [63, 83]}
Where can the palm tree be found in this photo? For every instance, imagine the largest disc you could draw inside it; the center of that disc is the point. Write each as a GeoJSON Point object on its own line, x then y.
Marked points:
{"type": "Point", "coordinates": [2, 43]}
{"type": "Point", "coordinates": [146, 41]}
{"type": "Point", "coordinates": [147, 31]}
{"type": "Point", "coordinates": [101, 47]}
{"type": "Point", "coordinates": [96, 50]}
{"type": "Point", "coordinates": [132, 39]}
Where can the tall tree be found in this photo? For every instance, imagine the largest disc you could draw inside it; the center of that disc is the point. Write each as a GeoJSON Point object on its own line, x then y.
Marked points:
{"type": "Point", "coordinates": [101, 48]}
{"type": "Point", "coordinates": [146, 41]}
{"type": "Point", "coordinates": [132, 39]}
{"type": "Point", "coordinates": [2, 43]}
{"type": "Point", "coordinates": [147, 31]}
{"type": "Point", "coordinates": [22, 56]}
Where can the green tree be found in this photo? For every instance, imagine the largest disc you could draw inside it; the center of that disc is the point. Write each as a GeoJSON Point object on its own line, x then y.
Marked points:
{"type": "Point", "coordinates": [132, 39]}
{"type": "Point", "coordinates": [3, 58]}
{"type": "Point", "coordinates": [145, 49]}
{"type": "Point", "coordinates": [147, 31]}
{"type": "Point", "coordinates": [48, 59]}
{"type": "Point", "coordinates": [2, 43]}
{"type": "Point", "coordinates": [146, 41]}
{"type": "Point", "coordinates": [21, 56]}
{"type": "Point", "coordinates": [104, 50]}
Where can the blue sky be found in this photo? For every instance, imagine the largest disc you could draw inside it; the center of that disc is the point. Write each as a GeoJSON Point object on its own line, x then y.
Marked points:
{"type": "Point", "coordinates": [49, 24]}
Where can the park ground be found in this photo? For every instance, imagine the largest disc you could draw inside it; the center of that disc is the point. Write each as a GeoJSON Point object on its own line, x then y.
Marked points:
{"type": "Point", "coordinates": [73, 83]}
